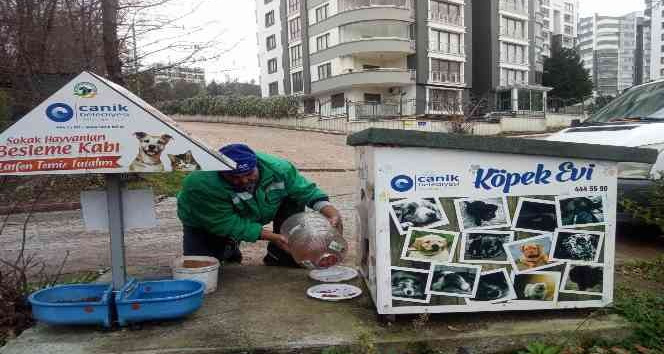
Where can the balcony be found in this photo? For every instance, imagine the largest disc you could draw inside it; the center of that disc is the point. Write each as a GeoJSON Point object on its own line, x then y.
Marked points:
{"type": "Point", "coordinates": [446, 19]}
{"type": "Point", "coordinates": [345, 5]}
{"type": "Point", "coordinates": [523, 62]}
{"type": "Point", "coordinates": [442, 48]}
{"type": "Point", "coordinates": [368, 45]}
{"type": "Point", "coordinates": [446, 78]}
{"type": "Point", "coordinates": [385, 77]}
{"type": "Point", "coordinates": [512, 35]}
{"type": "Point", "coordinates": [514, 8]}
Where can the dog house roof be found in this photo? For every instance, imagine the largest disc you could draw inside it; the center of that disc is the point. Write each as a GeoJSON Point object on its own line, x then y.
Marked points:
{"type": "Point", "coordinates": [410, 138]}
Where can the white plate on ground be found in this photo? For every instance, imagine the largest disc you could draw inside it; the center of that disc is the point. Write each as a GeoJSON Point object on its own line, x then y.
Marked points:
{"type": "Point", "coordinates": [334, 292]}
{"type": "Point", "coordinates": [334, 274]}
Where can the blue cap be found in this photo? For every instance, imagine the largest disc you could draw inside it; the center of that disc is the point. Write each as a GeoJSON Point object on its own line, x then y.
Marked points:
{"type": "Point", "coordinates": [242, 155]}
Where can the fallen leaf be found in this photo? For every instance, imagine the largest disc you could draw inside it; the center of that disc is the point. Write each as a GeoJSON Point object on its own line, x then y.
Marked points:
{"type": "Point", "coordinates": [455, 329]}
{"type": "Point", "coordinates": [641, 349]}
{"type": "Point", "coordinates": [617, 350]}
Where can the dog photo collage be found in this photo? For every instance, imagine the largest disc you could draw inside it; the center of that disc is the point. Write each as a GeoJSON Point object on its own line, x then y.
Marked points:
{"type": "Point", "coordinates": [467, 251]}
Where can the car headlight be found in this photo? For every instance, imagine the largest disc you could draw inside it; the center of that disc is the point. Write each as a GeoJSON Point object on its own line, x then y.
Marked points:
{"type": "Point", "coordinates": [634, 170]}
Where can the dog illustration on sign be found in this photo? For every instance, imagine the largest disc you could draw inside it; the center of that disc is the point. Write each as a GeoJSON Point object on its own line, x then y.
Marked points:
{"type": "Point", "coordinates": [150, 148]}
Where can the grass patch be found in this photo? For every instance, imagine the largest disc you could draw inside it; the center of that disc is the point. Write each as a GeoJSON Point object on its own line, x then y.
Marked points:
{"type": "Point", "coordinates": [162, 184]}
{"type": "Point", "coordinates": [648, 270]}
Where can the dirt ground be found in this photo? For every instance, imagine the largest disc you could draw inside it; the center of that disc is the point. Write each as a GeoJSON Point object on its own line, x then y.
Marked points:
{"type": "Point", "coordinates": [328, 160]}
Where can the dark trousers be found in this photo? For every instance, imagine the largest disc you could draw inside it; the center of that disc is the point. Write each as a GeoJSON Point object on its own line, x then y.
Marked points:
{"type": "Point", "coordinates": [199, 242]}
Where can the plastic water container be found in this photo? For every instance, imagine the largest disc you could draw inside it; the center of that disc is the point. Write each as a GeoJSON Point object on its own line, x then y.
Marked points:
{"type": "Point", "coordinates": [201, 268]}
{"type": "Point", "coordinates": [140, 301]}
{"type": "Point", "coordinates": [77, 304]}
{"type": "Point", "coordinates": [313, 242]}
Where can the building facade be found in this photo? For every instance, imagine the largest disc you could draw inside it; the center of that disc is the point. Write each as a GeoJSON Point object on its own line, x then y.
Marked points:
{"type": "Point", "coordinates": [654, 47]}
{"type": "Point", "coordinates": [608, 49]}
{"type": "Point", "coordinates": [560, 18]}
{"type": "Point", "coordinates": [400, 56]}
{"type": "Point", "coordinates": [171, 74]}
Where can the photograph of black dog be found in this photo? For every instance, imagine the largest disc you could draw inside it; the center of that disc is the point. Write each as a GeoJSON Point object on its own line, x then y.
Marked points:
{"type": "Point", "coordinates": [581, 211]}
{"type": "Point", "coordinates": [457, 280]}
{"type": "Point", "coordinates": [482, 213]}
{"type": "Point", "coordinates": [584, 279]}
{"type": "Point", "coordinates": [485, 246]}
{"type": "Point", "coordinates": [534, 215]}
{"type": "Point", "coordinates": [494, 286]}
{"type": "Point", "coordinates": [577, 245]}
{"type": "Point", "coordinates": [424, 213]}
{"type": "Point", "coordinates": [409, 284]}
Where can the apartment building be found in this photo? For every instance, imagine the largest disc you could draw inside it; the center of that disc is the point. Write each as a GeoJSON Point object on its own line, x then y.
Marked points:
{"type": "Point", "coordinates": [507, 54]}
{"type": "Point", "coordinates": [608, 49]}
{"type": "Point", "coordinates": [171, 74]}
{"type": "Point", "coordinates": [654, 37]}
{"type": "Point", "coordinates": [560, 18]}
{"type": "Point", "coordinates": [405, 56]}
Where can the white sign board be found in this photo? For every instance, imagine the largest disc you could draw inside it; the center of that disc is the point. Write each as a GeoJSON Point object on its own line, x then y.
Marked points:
{"type": "Point", "coordinates": [92, 125]}
{"type": "Point", "coordinates": [137, 209]}
{"type": "Point", "coordinates": [467, 231]}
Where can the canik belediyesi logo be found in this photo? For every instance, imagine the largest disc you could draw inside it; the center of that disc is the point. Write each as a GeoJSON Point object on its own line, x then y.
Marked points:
{"type": "Point", "coordinates": [59, 112]}
{"type": "Point", "coordinates": [402, 183]}
{"type": "Point", "coordinates": [85, 90]}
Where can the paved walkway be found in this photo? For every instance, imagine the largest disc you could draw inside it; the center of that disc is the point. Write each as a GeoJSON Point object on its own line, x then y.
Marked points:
{"type": "Point", "coordinates": [265, 310]}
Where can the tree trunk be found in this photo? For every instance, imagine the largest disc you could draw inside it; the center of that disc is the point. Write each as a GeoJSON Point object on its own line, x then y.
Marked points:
{"type": "Point", "coordinates": [110, 37]}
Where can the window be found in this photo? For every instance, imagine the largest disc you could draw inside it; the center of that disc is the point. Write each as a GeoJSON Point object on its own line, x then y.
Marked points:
{"type": "Point", "coordinates": [273, 88]}
{"type": "Point", "coordinates": [324, 71]}
{"type": "Point", "coordinates": [338, 100]}
{"type": "Point", "coordinates": [297, 82]}
{"type": "Point", "coordinates": [446, 12]}
{"type": "Point", "coordinates": [446, 42]}
{"type": "Point", "coordinates": [271, 42]}
{"type": "Point", "coordinates": [293, 6]}
{"type": "Point", "coordinates": [296, 56]}
{"type": "Point", "coordinates": [295, 29]}
{"type": "Point", "coordinates": [272, 66]}
{"type": "Point", "coordinates": [568, 30]}
{"type": "Point", "coordinates": [445, 71]}
{"type": "Point", "coordinates": [269, 18]}
{"type": "Point", "coordinates": [321, 13]}
{"type": "Point", "coordinates": [514, 28]}
{"type": "Point", "coordinates": [443, 100]}
{"type": "Point", "coordinates": [569, 7]}
{"type": "Point", "coordinates": [372, 98]}
{"type": "Point", "coordinates": [568, 18]}
{"type": "Point", "coordinates": [267, 1]}
{"type": "Point", "coordinates": [322, 42]}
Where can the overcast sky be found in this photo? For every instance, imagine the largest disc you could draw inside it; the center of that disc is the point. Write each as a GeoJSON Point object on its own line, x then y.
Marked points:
{"type": "Point", "coordinates": [233, 23]}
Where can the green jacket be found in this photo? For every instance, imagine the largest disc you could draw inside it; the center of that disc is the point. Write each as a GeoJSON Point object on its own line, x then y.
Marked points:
{"type": "Point", "coordinates": [208, 202]}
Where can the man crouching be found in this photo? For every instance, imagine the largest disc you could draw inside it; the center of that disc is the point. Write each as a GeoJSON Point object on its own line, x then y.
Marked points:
{"type": "Point", "coordinates": [218, 210]}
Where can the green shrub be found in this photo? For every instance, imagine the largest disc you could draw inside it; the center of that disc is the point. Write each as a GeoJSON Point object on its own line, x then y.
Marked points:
{"type": "Point", "coordinates": [239, 106]}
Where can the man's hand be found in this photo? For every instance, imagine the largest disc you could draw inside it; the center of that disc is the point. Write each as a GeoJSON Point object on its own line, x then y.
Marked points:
{"type": "Point", "coordinates": [280, 240]}
{"type": "Point", "coordinates": [332, 214]}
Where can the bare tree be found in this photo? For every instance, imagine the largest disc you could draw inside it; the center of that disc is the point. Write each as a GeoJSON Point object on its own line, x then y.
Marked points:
{"type": "Point", "coordinates": [109, 11]}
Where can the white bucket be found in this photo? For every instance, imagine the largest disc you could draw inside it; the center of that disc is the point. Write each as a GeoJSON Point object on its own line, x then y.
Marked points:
{"type": "Point", "coordinates": [207, 275]}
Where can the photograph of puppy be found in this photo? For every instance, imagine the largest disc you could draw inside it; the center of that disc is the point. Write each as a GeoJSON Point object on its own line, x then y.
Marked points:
{"type": "Point", "coordinates": [583, 279]}
{"type": "Point", "coordinates": [535, 215]}
{"type": "Point", "coordinates": [489, 213]}
{"type": "Point", "coordinates": [409, 284]}
{"type": "Point", "coordinates": [536, 286]}
{"type": "Point", "coordinates": [485, 246]}
{"type": "Point", "coordinates": [577, 246]}
{"type": "Point", "coordinates": [458, 280]}
{"type": "Point", "coordinates": [494, 286]}
{"type": "Point", "coordinates": [150, 148]}
{"type": "Point", "coordinates": [530, 254]}
{"type": "Point", "coordinates": [581, 211]}
{"type": "Point", "coordinates": [427, 245]}
{"type": "Point", "coordinates": [423, 212]}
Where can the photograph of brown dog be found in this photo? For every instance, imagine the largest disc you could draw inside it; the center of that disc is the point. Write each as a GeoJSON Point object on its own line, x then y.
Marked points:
{"type": "Point", "coordinates": [150, 148]}
{"type": "Point", "coordinates": [530, 253]}
{"type": "Point", "coordinates": [424, 245]}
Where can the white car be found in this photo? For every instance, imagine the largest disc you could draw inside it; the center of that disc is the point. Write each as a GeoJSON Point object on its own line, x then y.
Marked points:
{"type": "Point", "coordinates": [634, 119]}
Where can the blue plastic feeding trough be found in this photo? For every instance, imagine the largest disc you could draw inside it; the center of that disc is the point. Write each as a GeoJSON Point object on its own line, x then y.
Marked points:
{"type": "Point", "coordinates": [158, 300]}
{"type": "Point", "coordinates": [73, 304]}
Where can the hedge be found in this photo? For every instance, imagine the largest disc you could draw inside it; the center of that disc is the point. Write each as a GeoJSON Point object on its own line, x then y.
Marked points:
{"type": "Point", "coordinates": [273, 107]}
